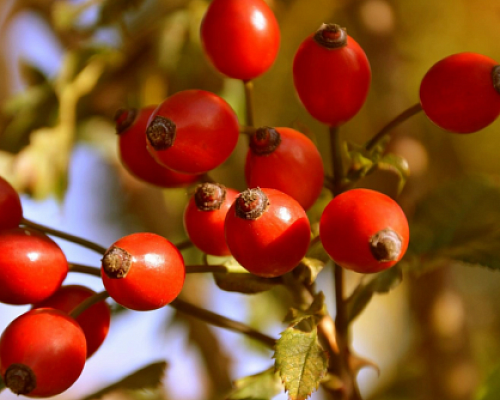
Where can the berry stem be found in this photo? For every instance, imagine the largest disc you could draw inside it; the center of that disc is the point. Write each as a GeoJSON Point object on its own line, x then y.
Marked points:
{"type": "Point", "coordinates": [186, 244]}
{"type": "Point", "coordinates": [399, 119]}
{"type": "Point", "coordinates": [222, 322]}
{"type": "Point", "coordinates": [85, 269]}
{"type": "Point", "coordinates": [249, 103]}
{"type": "Point", "coordinates": [63, 235]}
{"type": "Point", "coordinates": [190, 269]}
{"type": "Point", "coordinates": [87, 303]}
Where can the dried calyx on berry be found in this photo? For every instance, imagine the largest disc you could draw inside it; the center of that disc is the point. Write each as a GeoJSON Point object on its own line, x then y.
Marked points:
{"type": "Point", "coordinates": [265, 140]}
{"type": "Point", "coordinates": [209, 196]}
{"type": "Point", "coordinates": [332, 36]}
{"type": "Point", "coordinates": [124, 119]}
{"type": "Point", "coordinates": [386, 245]}
{"type": "Point", "coordinates": [161, 133]}
{"type": "Point", "coordinates": [116, 262]}
{"type": "Point", "coordinates": [251, 204]}
{"type": "Point", "coordinates": [495, 75]}
{"type": "Point", "coordinates": [20, 379]}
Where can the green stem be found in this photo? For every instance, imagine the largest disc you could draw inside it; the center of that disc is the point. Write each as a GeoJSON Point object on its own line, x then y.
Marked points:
{"type": "Point", "coordinates": [222, 322]}
{"type": "Point", "coordinates": [399, 119]}
{"type": "Point", "coordinates": [88, 302]}
{"type": "Point", "coordinates": [63, 235]}
{"type": "Point", "coordinates": [84, 269]}
{"type": "Point", "coordinates": [186, 244]}
{"type": "Point", "coordinates": [249, 103]}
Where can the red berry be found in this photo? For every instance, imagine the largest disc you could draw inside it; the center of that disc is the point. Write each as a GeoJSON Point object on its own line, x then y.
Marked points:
{"type": "Point", "coordinates": [32, 266]}
{"type": "Point", "coordinates": [42, 353]}
{"type": "Point", "coordinates": [241, 37]}
{"type": "Point", "coordinates": [287, 160]}
{"type": "Point", "coordinates": [10, 206]}
{"type": "Point", "coordinates": [94, 321]}
{"type": "Point", "coordinates": [267, 232]}
{"type": "Point", "coordinates": [143, 271]}
{"type": "Point", "coordinates": [364, 230]}
{"type": "Point", "coordinates": [460, 92]}
{"type": "Point", "coordinates": [204, 218]}
{"type": "Point", "coordinates": [131, 127]}
{"type": "Point", "coordinates": [331, 75]}
{"type": "Point", "coordinates": [192, 132]}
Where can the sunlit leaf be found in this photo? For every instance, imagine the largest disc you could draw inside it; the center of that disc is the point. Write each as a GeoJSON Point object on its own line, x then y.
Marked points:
{"type": "Point", "coordinates": [490, 389]}
{"type": "Point", "coordinates": [382, 282]}
{"type": "Point", "coordinates": [300, 362]}
{"type": "Point", "coordinates": [308, 269]}
{"type": "Point", "coordinates": [459, 221]}
{"type": "Point", "coordinates": [148, 377]}
{"type": "Point", "coordinates": [262, 386]}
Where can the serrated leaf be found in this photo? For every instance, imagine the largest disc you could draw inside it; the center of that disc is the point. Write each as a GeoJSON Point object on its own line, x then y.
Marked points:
{"type": "Point", "coordinates": [301, 362]}
{"type": "Point", "coordinates": [244, 283]}
{"type": "Point", "coordinates": [382, 282]}
{"type": "Point", "coordinates": [315, 312]}
{"type": "Point", "coordinates": [459, 221]}
{"type": "Point", "coordinates": [490, 389]}
{"type": "Point", "coordinates": [262, 386]}
{"type": "Point", "coordinates": [148, 377]}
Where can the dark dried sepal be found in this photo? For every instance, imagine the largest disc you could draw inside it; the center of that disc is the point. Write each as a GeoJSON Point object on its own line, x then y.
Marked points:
{"type": "Point", "coordinates": [116, 262]}
{"type": "Point", "coordinates": [495, 75]}
{"type": "Point", "coordinates": [386, 245]}
{"type": "Point", "coordinates": [264, 141]}
{"type": "Point", "coordinates": [20, 379]}
{"type": "Point", "coordinates": [331, 36]}
{"type": "Point", "coordinates": [251, 204]}
{"type": "Point", "coordinates": [209, 196]}
{"type": "Point", "coordinates": [161, 133]}
{"type": "Point", "coordinates": [124, 119]}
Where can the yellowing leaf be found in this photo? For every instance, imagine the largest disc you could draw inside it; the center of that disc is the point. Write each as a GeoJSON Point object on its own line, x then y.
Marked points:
{"type": "Point", "coordinates": [300, 362]}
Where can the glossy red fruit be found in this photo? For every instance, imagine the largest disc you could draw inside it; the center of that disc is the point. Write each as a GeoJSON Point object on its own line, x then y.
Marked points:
{"type": "Point", "coordinates": [287, 160]}
{"type": "Point", "coordinates": [364, 230]}
{"type": "Point", "coordinates": [460, 93]}
{"type": "Point", "coordinates": [192, 132]}
{"type": "Point", "coordinates": [267, 232]}
{"type": "Point", "coordinates": [240, 37]}
{"type": "Point", "coordinates": [204, 217]}
{"type": "Point", "coordinates": [94, 321]}
{"type": "Point", "coordinates": [131, 127]}
{"type": "Point", "coordinates": [143, 271]}
{"type": "Point", "coordinates": [11, 211]}
{"type": "Point", "coordinates": [42, 353]}
{"type": "Point", "coordinates": [332, 75]}
{"type": "Point", "coordinates": [32, 266]}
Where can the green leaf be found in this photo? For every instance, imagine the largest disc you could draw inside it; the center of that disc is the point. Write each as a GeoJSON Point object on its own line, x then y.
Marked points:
{"type": "Point", "coordinates": [398, 165]}
{"type": "Point", "coordinates": [382, 282]}
{"type": "Point", "coordinates": [459, 221]}
{"type": "Point", "coordinates": [244, 283]}
{"type": "Point", "coordinates": [491, 387]}
{"type": "Point", "coordinates": [308, 269]}
{"type": "Point", "coordinates": [148, 377]}
{"type": "Point", "coordinates": [315, 312]}
{"type": "Point", "coordinates": [300, 362]}
{"type": "Point", "coordinates": [262, 386]}
{"type": "Point", "coordinates": [113, 10]}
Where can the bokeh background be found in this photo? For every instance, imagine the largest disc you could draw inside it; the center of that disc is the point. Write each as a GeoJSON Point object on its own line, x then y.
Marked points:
{"type": "Point", "coordinates": [434, 337]}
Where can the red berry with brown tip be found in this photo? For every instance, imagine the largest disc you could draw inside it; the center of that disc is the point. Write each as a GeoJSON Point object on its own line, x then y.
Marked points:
{"type": "Point", "coordinates": [364, 230]}
{"type": "Point", "coordinates": [193, 132]}
{"type": "Point", "coordinates": [131, 127]}
{"type": "Point", "coordinates": [204, 217]}
{"type": "Point", "coordinates": [94, 321]}
{"type": "Point", "coordinates": [240, 37]}
{"type": "Point", "coordinates": [11, 211]}
{"type": "Point", "coordinates": [32, 266]}
{"type": "Point", "coordinates": [143, 271]}
{"type": "Point", "coordinates": [42, 353]}
{"type": "Point", "coordinates": [460, 93]}
{"type": "Point", "coordinates": [267, 231]}
{"type": "Point", "coordinates": [332, 75]}
{"type": "Point", "coordinates": [287, 160]}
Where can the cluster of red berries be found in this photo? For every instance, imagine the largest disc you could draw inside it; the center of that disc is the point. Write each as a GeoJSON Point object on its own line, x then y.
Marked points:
{"type": "Point", "coordinates": [265, 228]}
